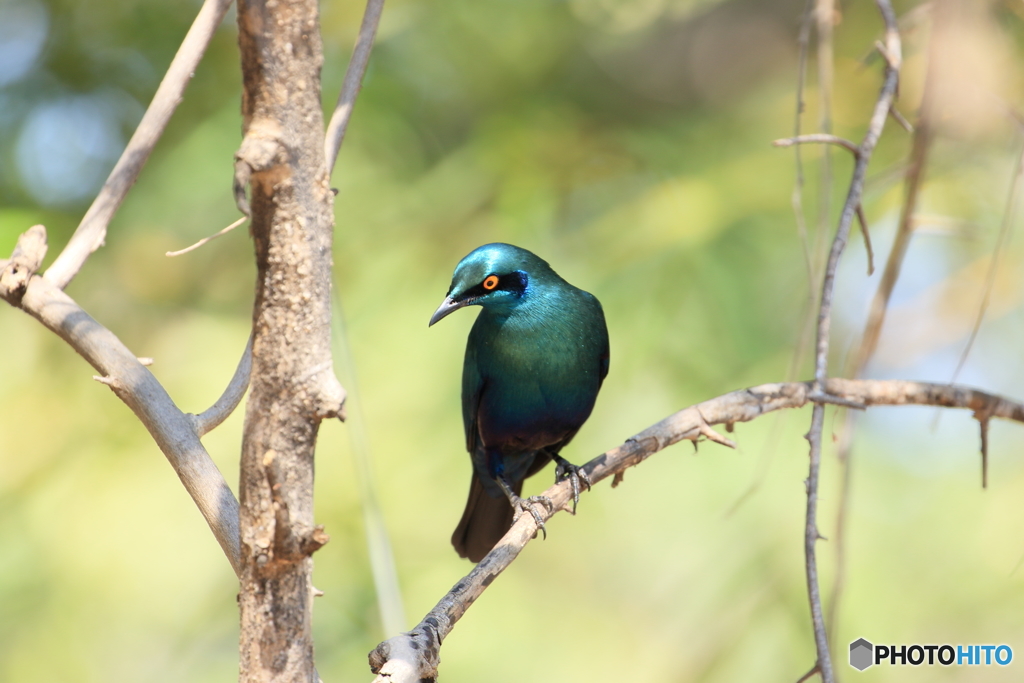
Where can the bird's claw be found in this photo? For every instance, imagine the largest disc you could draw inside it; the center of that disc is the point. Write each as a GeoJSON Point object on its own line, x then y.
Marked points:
{"type": "Point", "coordinates": [522, 505]}
{"type": "Point", "coordinates": [575, 474]}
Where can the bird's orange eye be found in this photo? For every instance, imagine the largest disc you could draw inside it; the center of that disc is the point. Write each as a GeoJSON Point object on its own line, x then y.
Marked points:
{"type": "Point", "coordinates": [491, 282]}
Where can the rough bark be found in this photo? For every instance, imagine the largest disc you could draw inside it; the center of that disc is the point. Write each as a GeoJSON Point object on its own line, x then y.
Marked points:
{"type": "Point", "coordinates": [293, 384]}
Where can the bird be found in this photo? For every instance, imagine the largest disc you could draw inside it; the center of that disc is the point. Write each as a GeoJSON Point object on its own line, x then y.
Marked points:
{"type": "Point", "coordinates": [535, 360]}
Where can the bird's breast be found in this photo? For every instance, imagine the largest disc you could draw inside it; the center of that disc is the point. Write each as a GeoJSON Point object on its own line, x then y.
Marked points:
{"type": "Point", "coordinates": [540, 382]}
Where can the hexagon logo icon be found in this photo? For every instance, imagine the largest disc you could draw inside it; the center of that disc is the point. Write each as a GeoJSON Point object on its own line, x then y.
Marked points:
{"type": "Point", "coordinates": [861, 652]}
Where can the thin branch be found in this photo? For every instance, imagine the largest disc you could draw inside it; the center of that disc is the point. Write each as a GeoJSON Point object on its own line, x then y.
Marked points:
{"type": "Point", "coordinates": [353, 82]}
{"type": "Point", "coordinates": [886, 97]}
{"type": "Point", "coordinates": [821, 138]}
{"type": "Point", "coordinates": [414, 655]}
{"type": "Point", "coordinates": [378, 542]}
{"type": "Point", "coordinates": [212, 237]}
{"type": "Point", "coordinates": [879, 305]}
{"type": "Point", "coordinates": [990, 277]}
{"type": "Point", "coordinates": [232, 396]}
{"type": "Point", "coordinates": [382, 559]}
{"type": "Point", "coordinates": [92, 231]}
{"type": "Point", "coordinates": [119, 369]}
{"type": "Point", "coordinates": [824, 14]}
{"type": "Point", "coordinates": [867, 239]}
{"type": "Point", "coordinates": [914, 176]}
{"type": "Point", "coordinates": [798, 189]}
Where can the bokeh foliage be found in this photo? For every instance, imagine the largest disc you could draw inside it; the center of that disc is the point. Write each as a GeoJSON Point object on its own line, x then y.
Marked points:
{"type": "Point", "coordinates": [627, 142]}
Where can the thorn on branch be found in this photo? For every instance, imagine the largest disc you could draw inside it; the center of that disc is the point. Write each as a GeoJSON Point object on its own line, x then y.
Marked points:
{"type": "Point", "coordinates": [898, 117]}
{"type": "Point", "coordinates": [618, 478]}
{"type": "Point", "coordinates": [814, 669]}
{"type": "Point", "coordinates": [891, 60]}
{"type": "Point", "coordinates": [111, 382]}
{"type": "Point", "coordinates": [709, 433]}
{"type": "Point", "coordinates": [145, 360]}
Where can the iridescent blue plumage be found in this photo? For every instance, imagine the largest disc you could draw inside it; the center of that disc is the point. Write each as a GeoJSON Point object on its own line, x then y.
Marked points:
{"type": "Point", "coordinates": [535, 360]}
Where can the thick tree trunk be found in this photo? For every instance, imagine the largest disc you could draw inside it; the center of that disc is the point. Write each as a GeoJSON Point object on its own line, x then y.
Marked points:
{"type": "Point", "coordinates": [293, 384]}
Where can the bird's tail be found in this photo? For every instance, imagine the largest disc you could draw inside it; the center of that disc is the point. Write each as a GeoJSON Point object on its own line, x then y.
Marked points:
{"type": "Point", "coordinates": [484, 521]}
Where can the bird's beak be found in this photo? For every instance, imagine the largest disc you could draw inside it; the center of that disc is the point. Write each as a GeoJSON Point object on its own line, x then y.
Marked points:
{"type": "Point", "coordinates": [449, 305]}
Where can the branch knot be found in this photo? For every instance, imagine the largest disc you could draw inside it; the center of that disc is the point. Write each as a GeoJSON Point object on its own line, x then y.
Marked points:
{"type": "Point", "coordinates": [25, 261]}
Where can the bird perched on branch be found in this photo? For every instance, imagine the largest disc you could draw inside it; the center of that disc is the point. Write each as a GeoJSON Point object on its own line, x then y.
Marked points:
{"type": "Point", "coordinates": [535, 360]}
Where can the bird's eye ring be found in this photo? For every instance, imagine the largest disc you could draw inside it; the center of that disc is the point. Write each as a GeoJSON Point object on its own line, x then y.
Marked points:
{"type": "Point", "coordinates": [490, 282]}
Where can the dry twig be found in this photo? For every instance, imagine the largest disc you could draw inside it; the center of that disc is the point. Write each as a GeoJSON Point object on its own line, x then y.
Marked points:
{"type": "Point", "coordinates": [414, 656]}
{"type": "Point", "coordinates": [222, 231]}
{"type": "Point", "coordinates": [353, 82]}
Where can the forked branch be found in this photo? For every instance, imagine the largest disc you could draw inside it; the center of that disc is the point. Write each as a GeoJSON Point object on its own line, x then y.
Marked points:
{"type": "Point", "coordinates": [232, 396]}
{"type": "Point", "coordinates": [892, 51]}
{"type": "Point", "coordinates": [414, 656]}
{"type": "Point", "coordinates": [128, 378]}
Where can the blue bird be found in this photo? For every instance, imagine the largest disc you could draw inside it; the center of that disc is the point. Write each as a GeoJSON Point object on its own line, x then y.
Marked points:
{"type": "Point", "coordinates": [535, 360]}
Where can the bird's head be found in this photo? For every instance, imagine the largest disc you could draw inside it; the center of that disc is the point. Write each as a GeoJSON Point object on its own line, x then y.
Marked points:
{"type": "Point", "coordinates": [496, 276]}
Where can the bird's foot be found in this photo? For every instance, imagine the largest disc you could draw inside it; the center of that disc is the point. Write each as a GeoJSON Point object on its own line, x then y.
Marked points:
{"type": "Point", "coordinates": [521, 505]}
{"type": "Point", "coordinates": [576, 476]}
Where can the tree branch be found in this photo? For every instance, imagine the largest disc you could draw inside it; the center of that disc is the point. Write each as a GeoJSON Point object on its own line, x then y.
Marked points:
{"type": "Point", "coordinates": [353, 82]}
{"type": "Point", "coordinates": [914, 176]}
{"type": "Point", "coordinates": [210, 418]}
{"type": "Point", "coordinates": [119, 369]}
{"type": "Point", "coordinates": [414, 655]}
{"type": "Point", "coordinates": [293, 386]}
{"type": "Point", "coordinates": [893, 54]}
{"type": "Point", "coordinates": [92, 231]}
{"type": "Point", "coordinates": [1009, 213]}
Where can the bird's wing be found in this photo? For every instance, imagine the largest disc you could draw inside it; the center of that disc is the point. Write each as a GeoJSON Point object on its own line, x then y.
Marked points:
{"type": "Point", "coordinates": [605, 358]}
{"type": "Point", "coordinates": [472, 390]}
{"type": "Point", "coordinates": [601, 329]}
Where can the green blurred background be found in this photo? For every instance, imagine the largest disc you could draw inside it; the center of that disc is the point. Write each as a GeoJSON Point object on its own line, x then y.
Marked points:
{"type": "Point", "coordinates": [628, 143]}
